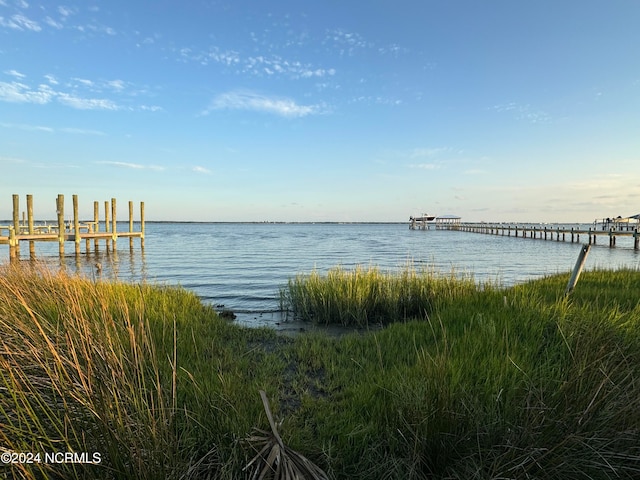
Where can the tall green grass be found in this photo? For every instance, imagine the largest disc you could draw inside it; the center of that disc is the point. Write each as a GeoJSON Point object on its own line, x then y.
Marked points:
{"type": "Point", "coordinates": [363, 297]}
{"type": "Point", "coordinates": [487, 382]}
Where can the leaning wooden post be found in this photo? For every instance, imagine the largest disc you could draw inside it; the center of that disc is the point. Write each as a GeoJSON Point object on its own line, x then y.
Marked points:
{"type": "Point", "coordinates": [76, 225]}
{"type": "Point", "coordinates": [114, 234]}
{"type": "Point", "coordinates": [16, 224]}
{"type": "Point", "coordinates": [142, 225]}
{"type": "Point", "coordinates": [130, 225]}
{"type": "Point", "coordinates": [32, 244]}
{"type": "Point", "coordinates": [582, 258]}
{"type": "Point", "coordinates": [60, 212]}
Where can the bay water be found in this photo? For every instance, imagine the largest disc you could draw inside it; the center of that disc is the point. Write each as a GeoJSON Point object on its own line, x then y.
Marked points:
{"type": "Point", "coordinates": [243, 266]}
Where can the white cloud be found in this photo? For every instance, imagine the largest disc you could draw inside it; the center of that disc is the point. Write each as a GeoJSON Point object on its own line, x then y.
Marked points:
{"type": "Point", "coordinates": [16, 92]}
{"type": "Point", "coordinates": [20, 22]}
{"type": "Point", "coordinates": [65, 11]}
{"type": "Point", "coordinates": [427, 152]}
{"type": "Point", "coordinates": [15, 73]}
{"type": "Point", "coordinates": [86, 103]}
{"type": "Point", "coordinates": [424, 166]}
{"type": "Point", "coordinates": [522, 112]}
{"type": "Point", "coordinates": [198, 169]}
{"type": "Point", "coordinates": [34, 128]}
{"type": "Point", "coordinates": [135, 166]}
{"type": "Point", "coordinates": [83, 81]}
{"type": "Point", "coordinates": [244, 100]}
{"type": "Point", "coordinates": [51, 79]}
{"type": "Point", "coordinates": [116, 84]}
{"type": "Point", "coordinates": [52, 23]}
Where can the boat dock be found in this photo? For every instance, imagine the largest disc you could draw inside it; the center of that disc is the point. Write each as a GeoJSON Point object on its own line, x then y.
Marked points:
{"type": "Point", "coordinates": [607, 231]}
{"type": "Point", "coordinates": [76, 230]}
{"type": "Point", "coordinates": [426, 222]}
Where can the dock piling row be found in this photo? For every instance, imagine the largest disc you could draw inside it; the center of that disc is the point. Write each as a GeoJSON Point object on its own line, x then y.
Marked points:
{"type": "Point", "coordinates": [73, 232]}
{"type": "Point", "coordinates": [546, 233]}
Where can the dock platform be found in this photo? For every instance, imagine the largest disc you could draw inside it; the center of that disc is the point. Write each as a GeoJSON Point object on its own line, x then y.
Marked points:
{"type": "Point", "coordinates": [61, 231]}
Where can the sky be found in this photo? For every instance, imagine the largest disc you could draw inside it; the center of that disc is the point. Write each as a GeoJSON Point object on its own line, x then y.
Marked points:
{"type": "Point", "coordinates": [332, 110]}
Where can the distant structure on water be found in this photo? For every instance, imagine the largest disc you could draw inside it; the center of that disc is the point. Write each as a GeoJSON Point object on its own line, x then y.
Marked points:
{"type": "Point", "coordinates": [426, 221]}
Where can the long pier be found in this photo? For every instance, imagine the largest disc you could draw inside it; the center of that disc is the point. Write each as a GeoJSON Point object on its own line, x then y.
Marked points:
{"type": "Point", "coordinates": [29, 230]}
{"type": "Point", "coordinates": [553, 233]}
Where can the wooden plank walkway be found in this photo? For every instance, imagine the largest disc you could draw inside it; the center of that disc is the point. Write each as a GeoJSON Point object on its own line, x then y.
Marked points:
{"type": "Point", "coordinates": [62, 232]}
{"type": "Point", "coordinates": [550, 233]}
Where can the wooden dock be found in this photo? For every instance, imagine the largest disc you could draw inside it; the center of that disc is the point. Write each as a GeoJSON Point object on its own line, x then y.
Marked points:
{"type": "Point", "coordinates": [557, 233]}
{"type": "Point", "coordinates": [76, 231]}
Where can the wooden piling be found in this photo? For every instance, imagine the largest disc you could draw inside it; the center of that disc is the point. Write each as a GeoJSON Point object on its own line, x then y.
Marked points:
{"type": "Point", "coordinates": [13, 248]}
{"type": "Point", "coordinates": [96, 224]}
{"type": "Point", "coordinates": [130, 224]}
{"type": "Point", "coordinates": [142, 225]}
{"type": "Point", "coordinates": [32, 244]}
{"type": "Point", "coordinates": [114, 235]}
{"type": "Point", "coordinates": [60, 212]}
{"type": "Point", "coordinates": [16, 223]}
{"type": "Point", "coordinates": [636, 238]}
{"type": "Point", "coordinates": [76, 225]}
{"type": "Point", "coordinates": [107, 225]}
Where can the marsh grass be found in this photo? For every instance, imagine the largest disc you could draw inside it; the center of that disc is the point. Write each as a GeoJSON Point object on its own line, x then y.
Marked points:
{"type": "Point", "coordinates": [369, 296]}
{"type": "Point", "coordinates": [485, 382]}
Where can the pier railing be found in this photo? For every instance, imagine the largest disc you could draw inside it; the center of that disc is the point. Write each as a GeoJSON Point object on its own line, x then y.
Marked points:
{"type": "Point", "coordinates": [62, 230]}
{"type": "Point", "coordinates": [558, 233]}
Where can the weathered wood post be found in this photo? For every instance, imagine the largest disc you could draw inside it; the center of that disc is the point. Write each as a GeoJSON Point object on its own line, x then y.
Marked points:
{"type": "Point", "coordinates": [142, 225]}
{"type": "Point", "coordinates": [60, 212]}
{"type": "Point", "coordinates": [612, 238]}
{"type": "Point", "coordinates": [636, 238]}
{"type": "Point", "coordinates": [16, 224]}
{"type": "Point", "coordinates": [582, 257]}
{"type": "Point", "coordinates": [131, 225]}
{"type": "Point", "coordinates": [107, 225]}
{"type": "Point", "coordinates": [114, 234]}
{"type": "Point", "coordinates": [13, 242]}
{"type": "Point", "coordinates": [96, 224]}
{"type": "Point", "coordinates": [76, 225]}
{"type": "Point", "coordinates": [32, 244]}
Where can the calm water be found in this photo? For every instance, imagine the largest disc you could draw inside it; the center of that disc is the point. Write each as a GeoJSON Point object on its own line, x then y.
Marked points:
{"type": "Point", "coordinates": [243, 266]}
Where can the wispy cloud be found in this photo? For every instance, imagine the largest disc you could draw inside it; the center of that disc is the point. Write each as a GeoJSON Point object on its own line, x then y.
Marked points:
{"type": "Point", "coordinates": [20, 22]}
{"type": "Point", "coordinates": [346, 43]}
{"type": "Point", "coordinates": [16, 92]}
{"type": "Point", "coordinates": [424, 166]}
{"type": "Point", "coordinates": [199, 169]}
{"type": "Point", "coordinates": [78, 93]}
{"type": "Point", "coordinates": [522, 112]}
{"type": "Point", "coordinates": [246, 100]}
{"type": "Point", "coordinates": [134, 166]}
{"type": "Point", "coordinates": [15, 73]}
{"type": "Point", "coordinates": [257, 65]}
{"type": "Point", "coordinates": [428, 152]}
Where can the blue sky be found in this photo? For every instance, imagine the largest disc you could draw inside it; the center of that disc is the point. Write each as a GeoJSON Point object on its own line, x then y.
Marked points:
{"type": "Point", "coordinates": [323, 110]}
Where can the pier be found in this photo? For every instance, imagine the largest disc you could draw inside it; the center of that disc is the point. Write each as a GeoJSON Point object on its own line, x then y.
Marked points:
{"type": "Point", "coordinates": [76, 230]}
{"type": "Point", "coordinates": [603, 231]}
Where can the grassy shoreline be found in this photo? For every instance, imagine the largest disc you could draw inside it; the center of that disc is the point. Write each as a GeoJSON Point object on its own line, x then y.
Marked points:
{"type": "Point", "coordinates": [486, 382]}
